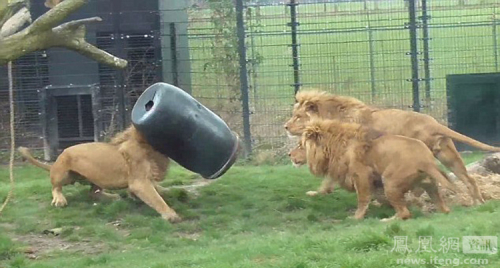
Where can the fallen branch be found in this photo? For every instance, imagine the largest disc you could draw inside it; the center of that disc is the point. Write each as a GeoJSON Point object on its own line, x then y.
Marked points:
{"type": "Point", "coordinates": [43, 34]}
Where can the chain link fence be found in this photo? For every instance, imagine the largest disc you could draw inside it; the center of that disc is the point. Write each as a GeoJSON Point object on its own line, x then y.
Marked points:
{"type": "Point", "coordinates": [246, 59]}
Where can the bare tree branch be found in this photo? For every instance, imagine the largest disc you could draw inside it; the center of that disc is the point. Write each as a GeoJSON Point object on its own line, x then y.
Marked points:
{"type": "Point", "coordinates": [9, 8]}
{"type": "Point", "coordinates": [73, 25]}
{"type": "Point", "coordinates": [15, 22]}
{"type": "Point", "coordinates": [70, 35]}
{"type": "Point", "coordinates": [56, 15]}
{"type": "Point", "coordinates": [76, 29]}
{"type": "Point", "coordinates": [44, 33]}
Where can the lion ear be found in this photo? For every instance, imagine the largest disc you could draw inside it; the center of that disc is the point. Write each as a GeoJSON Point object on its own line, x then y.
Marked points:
{"type": "Point", "coordinates": [372, 134]}
{"type": "Point", "coordinates": [311, 107]}
{"type": "Point", "coordinates": [312, 134]}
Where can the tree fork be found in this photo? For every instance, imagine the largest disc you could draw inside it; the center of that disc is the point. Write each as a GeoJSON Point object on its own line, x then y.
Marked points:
{"type": "Point", "coordinates": [44, 33]}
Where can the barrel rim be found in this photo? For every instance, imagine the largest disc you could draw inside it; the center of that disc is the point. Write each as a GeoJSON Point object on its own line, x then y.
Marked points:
{"type": "Point", "coordinates": [230, 161]}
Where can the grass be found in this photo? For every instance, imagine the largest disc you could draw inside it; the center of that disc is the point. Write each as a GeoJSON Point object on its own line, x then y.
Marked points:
{"type": "Point", "coordinates": [254, 216]}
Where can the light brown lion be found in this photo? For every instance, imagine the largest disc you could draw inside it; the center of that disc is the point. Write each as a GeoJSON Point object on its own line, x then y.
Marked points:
{"type": "Point", "coordinates": [298, 158]}
{"type": "Point", "coordinates": [127, 162]}
{"type": "Point", "coordinates": [437, 137]}
{"type": "Point", "coordinates": [354, 156]}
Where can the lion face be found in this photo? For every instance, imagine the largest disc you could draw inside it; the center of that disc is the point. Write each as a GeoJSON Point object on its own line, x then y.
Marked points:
{"type": "Point", "coordinates": [298, 156]}
{"type": "Point", "coordinates": [301, 115]}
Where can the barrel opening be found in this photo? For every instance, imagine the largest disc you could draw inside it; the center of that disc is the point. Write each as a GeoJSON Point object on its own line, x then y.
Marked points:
{"type": "Point", "coordinates": [149, 105]}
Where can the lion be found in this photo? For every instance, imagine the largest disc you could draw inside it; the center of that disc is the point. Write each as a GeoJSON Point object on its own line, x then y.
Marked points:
{"type": "Point", "coordinates": [354, 156]}
{"type": "Point", "coordinates": [437, 137]}
{"type": "Point", "coordinates": [126, 162]}
{"type": "Point", "coordinates": [298, 158]}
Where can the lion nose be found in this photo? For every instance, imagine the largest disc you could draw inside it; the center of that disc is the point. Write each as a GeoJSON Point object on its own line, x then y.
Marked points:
{"type": "Point", "coordinates": [285, 126]}
{"type": "Point", "coordinates": [289, 154]}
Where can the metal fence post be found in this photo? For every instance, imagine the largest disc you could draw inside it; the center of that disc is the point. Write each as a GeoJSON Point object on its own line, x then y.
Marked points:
{"type": "Point", "coordinates": [425, 38]}
{"type": "Point", "coordinates": [253, 70]}
{"type": "Point", "coordinates": [495, 42]}
{"type": "Point", "coordinates": [173, 52]}
{"type": "Point", "coordinates": [240, 28]}
{"type": "Point", "coordinates": [414, 53]}
{"type": "Point", "coordinates": [295, 46]}
{"type": "Point", "coordinates": [120, 52]}
{"type": "Point", "coordinates": [372, 62]}
{"type": "Point", "coordinates": [372, 54]}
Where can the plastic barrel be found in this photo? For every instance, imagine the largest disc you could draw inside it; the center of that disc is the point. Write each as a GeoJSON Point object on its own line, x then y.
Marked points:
{"type": "Point", "coordinates": [181, 128]}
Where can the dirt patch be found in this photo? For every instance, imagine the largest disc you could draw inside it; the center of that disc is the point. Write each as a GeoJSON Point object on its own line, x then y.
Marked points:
{"type": "Point", "coordinates": [41, 245]}
{"type": "Point", "coordinates": [489, 185]}
{"type": "Point", "coordinates": [189, 236]}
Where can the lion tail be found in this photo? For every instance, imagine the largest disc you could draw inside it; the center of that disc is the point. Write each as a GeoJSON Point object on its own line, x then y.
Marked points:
{"type": "Point", "coordinates": [27, 155]}
{"type": "Point", "coordinates": [442, 178]}
{"type": "Point", "coordinates": [443, 130]}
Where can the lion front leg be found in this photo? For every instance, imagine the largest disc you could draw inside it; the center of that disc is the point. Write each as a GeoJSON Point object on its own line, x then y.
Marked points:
{"type": "Point", "coordinates": [145, 190]}
{"type": "Point", "coordinates": [327, 187]}
{"type": "Point", "coordinates": [363, 189]}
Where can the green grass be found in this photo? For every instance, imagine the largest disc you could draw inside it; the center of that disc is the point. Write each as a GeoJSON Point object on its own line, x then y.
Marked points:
{"type": "Point", "coordinates": [251, 217]}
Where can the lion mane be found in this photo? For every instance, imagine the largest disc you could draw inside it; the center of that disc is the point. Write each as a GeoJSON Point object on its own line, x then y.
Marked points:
{"type": "Point", "coordinates": [356, 156]}
{"type": "Point", "coordinates": [346, 109]}
{"type": "Point", "coordinates": [438, 138]}
{"type": "Point", "coordinates": [331, 146]}
{"type": "Point", "coordinates": [129, 138]}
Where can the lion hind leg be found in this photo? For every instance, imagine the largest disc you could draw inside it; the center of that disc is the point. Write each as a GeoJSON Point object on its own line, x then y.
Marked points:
{"type": "Point", "coordinates": [58, 199]}
{"type": "Point", "coordinates": [433, 191]}
{"type": "Point", "coordinates": [59, 176]}
{"type": "Point", "coordinates": [395, 196]}
{"type": "Point", "coordinates": [449, 156]}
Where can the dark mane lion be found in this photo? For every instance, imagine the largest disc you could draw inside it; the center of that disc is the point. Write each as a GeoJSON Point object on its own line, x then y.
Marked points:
{"type": "Point", "coordinates": [331, 106]}
{"type": "Point", "coordinates": [351, 144]}
{"type": "Point", "coordinates": [354, 156]}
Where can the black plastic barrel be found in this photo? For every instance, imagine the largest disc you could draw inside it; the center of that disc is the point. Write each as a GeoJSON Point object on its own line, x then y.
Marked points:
{"type": "Point", "coordinates": [181, 128]}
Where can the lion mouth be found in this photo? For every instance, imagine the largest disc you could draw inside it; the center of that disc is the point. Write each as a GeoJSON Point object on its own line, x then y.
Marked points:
{"type": "Point", "coordinates": [296, 165]}
{"type": "Point", "coordinates": [291, 136]}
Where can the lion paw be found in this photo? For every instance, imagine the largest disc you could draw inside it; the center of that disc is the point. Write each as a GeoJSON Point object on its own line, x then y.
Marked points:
{"type": "Point", "coordinates": [312, 193]}
{"type": "Point", "coordinates": [376, 203]}
{"type": "Point", "coordinates": [172, 217]}
{"type": "Point", "coordinates": [59, 201]}
{"type": "Point", "coordinates": [355, 217]}
{"type": "Point", "coordinates": [388, 219]}
{"type": "Point", "coordinates": [359, 217]}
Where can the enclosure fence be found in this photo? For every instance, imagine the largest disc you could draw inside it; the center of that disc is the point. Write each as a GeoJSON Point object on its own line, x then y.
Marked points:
{"type": "Point", "coordinates": [245, 60]}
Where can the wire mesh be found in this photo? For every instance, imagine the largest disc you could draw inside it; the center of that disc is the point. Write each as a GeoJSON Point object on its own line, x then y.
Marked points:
{"type": "Point", "coordinates": [464, 40]}
{"type": "Point", "coordinates": [355, 48]}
